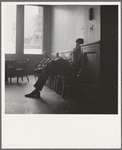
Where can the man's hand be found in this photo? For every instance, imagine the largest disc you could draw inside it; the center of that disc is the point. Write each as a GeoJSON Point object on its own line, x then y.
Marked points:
{"type": "Point", "coordinates": [40, 65]}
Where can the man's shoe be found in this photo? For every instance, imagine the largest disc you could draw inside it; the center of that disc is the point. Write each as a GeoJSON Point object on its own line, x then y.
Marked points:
{"type": "Point", "coordinates": [33, 94]}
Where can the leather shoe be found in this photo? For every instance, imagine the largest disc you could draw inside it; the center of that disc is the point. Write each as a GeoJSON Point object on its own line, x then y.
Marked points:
{"type": "Point", "coordinates": [33, 94]}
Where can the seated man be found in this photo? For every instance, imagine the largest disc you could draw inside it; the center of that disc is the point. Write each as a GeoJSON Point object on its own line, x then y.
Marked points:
{"type": "Point", "coordinates": [58, 66]}
{"type": "Point", "coordinates": [43, 63]}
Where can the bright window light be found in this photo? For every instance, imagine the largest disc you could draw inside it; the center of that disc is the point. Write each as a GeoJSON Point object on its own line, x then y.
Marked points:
{"type": "Point", "coordinates": [9, 27]}
{"type": "Point", "coordinates": [33, 30]}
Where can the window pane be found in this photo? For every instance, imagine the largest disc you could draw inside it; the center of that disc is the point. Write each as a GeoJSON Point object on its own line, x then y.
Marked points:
{"type": "Point", "coordinates": [9, 27]}
{"type": "Point", "coordinates": [33, 30]}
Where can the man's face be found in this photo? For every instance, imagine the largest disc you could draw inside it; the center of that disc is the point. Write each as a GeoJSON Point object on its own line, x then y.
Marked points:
{"type": "Point", "coordinates": [77, 44]}
{"type": "Point", "coordinates": [45, 55]}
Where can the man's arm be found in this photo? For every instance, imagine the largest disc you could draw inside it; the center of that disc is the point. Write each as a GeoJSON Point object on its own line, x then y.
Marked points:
{"type": "Point", "coordinates": [46, 61]}
{"type": "Point", "coordinates": [76, 59]}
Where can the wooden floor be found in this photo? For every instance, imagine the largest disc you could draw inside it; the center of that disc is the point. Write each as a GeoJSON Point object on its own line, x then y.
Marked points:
{"type": "Point", "coordinates": [50, 102]}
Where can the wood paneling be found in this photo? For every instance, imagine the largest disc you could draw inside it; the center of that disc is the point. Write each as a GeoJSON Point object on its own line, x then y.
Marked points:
{"type": "Point", "coordinates": [91, 64]}
{"type": "Point", "coordinates": [90, 76]}
{"type": "Point", "coordinates": [99, 77]}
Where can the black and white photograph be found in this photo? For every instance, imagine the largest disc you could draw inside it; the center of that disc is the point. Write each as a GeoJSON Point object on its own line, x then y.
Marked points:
{"type": "Point", "coordinates": [61, 74]}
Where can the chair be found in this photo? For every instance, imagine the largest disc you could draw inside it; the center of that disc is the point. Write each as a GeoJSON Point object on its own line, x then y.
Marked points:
{"type": "Point", "coordinates": [10, 65]}
{"type": "Point", "coordinates": [22, 70]}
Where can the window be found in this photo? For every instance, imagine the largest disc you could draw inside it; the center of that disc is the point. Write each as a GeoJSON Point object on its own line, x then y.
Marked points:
{"type": "Point", "coordinates": [9, 28]}
{"type": "Point", "coordinates": [33, 30]}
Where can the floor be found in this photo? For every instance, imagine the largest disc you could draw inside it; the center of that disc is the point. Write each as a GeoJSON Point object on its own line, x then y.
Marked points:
{"type": "Point", "coordinates": [50, 102]}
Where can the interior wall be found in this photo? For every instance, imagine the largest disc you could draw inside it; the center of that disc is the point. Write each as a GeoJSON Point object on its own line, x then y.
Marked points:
{"type": "Point", "coordinates": [92, 28]}
{"type": "Point", "coordinates": [67, 25]}
{"type": "Point", "coordinates": [72, 22]}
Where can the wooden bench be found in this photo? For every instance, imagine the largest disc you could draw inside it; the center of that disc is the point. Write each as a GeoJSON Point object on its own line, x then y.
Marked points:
{"type": "Point", "coordinates": [62, 78]}
{"type": "Point", "coordinates": [52, 80]}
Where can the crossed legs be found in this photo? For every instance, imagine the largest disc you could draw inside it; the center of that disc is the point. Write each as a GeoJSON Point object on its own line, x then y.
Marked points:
{"type": "Point", "coordinates": [50, 69]}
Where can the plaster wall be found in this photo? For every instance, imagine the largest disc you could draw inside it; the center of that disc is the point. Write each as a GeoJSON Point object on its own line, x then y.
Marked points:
{"type": "Point", "coordinates": [70, 22]}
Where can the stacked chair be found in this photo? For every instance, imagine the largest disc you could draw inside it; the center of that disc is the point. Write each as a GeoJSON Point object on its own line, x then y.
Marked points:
{"type": "Point", "coordinates": [16, 68]}
{"type": "Point", "coordinates": [22, 70]}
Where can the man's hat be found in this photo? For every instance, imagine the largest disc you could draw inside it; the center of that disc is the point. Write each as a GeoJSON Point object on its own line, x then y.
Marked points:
{"type": "Point", "coordinates": [80, 41]}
